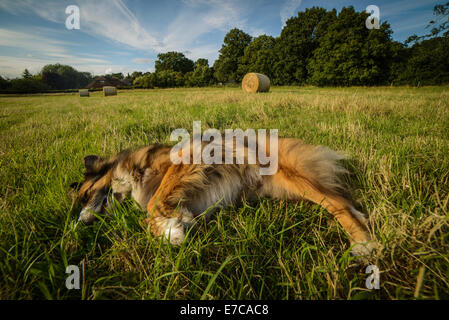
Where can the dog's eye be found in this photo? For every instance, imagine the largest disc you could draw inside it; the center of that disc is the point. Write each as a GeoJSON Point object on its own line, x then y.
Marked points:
{"type": "Point", "coordinates": [85, 197]}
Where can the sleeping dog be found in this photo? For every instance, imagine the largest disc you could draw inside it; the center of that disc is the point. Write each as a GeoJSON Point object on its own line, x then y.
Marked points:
{"type": "Point", "coordinates": [174, 195]}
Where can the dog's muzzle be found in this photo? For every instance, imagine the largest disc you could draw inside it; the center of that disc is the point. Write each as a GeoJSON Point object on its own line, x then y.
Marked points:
{"type": "Point", "coordinates": [87, 217]}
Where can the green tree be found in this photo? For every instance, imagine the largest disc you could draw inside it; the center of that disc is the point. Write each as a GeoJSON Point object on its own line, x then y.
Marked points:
{"type": "Point", "coordinates": [118, 75]}
{"type": "Point", "coordinates": [28, 85]}
{"type": "Point", "coordinates": [149, 80]}
{"type": "Point", "coordinates": [53, 80]}
{"type": "Point", "coordinates": [201, 62]}
{"type": "Point", "coordinates": [58, 76]}
{"type": "Point", "coordinates": [135, 75]}
{"type": "Point", "coordinates": [231, 52]}
{"type": "Point", "coordinates": [138, 82]}
{"type": "Point", "coordinates": [399, 57]}
{"type": "Point", "coordinates": [201, 76]}
{"type": "Point", "coordinates": [427, 63]}
{"type": "Point", "coordinates": [26, 74]}
{"type": "Point", "coordinates": [350, 54]}
{"type": "Point", "coordinates": [4, 83]}
{"type": "Point", "coordinates": [297, 42]}
{"type": "Point", "coordinates": [260, 56]}
{"type": "Point", "coordinates": [173, 61]}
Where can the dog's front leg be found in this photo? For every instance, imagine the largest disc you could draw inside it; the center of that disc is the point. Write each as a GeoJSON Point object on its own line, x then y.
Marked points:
{"type": "Point", "coordinates": [166, 215]}
{"type": "Point", "coordinates": [170, 227]}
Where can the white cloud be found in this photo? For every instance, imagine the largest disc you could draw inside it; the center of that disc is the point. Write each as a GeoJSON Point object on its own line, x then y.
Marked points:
{"type": "Point", "coordinates": [404, 7]}
{"type": "Point", "coordinates": [411, 23]}
{"type": "Point", "coordinates": [116, 22]}
{"type": "Point", "coordinates": [12, 67]}
{"type": "Point", "coordinates": [40, 51]}
{"type": "Point", "coordinates": [288, 10]}
{"type": "Point", "coordinates": [199, 18]}
{"type": "Point", "coordinates": [30, 41]}
{"type": "Point", "coordinates": [109, 19]}
{"type": "Point", "coordinates": [254, 32]}
{"type": "Point", "coordinates": [112, 20]}
{"type": "Point", "coordinates": [49, 10]}
{"type": "Point", "coordinates": [143, 60]}
{"type": "Point", "coordinates": [403, 18]}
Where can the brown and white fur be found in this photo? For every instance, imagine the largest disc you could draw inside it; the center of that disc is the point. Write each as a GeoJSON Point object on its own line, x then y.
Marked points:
{"type": "Point", "coordinates": [174, 195]}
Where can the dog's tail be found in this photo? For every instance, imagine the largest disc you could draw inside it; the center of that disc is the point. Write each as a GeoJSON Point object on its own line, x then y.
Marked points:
{"type": "Point", "coordinates": [317, 164]}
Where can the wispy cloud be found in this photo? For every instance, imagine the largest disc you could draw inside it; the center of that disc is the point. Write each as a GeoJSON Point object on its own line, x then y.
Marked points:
{"type": "Point", "coordinates": [143, 60]}
{"type": "Point", "coordinates": [288, 10]}
{"type": "Point", "coordinates": [31, 42]}
{"type": "Point", "coordinates": [34, 43]}
{"type": "Point", "coordinates": [12, 66]}
{"type": "Point", "coordinates": [405, 16]}
{"type": "Point", "coordinates": [49, 10]}
{"type": "Point", "coordinates": [199, 18]}
{"type": "Point", "coordinates": [112, 20]}
{"type": "Point", "coordinates": [404, 7]}
{"type": "Point", "coordinates": [39, 50]}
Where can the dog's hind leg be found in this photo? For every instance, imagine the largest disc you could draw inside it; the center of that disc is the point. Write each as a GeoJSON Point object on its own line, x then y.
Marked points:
{"type": "Point", "coordinates": [309, 172]}
{"type": "Point", "coordinates": [353, 222]}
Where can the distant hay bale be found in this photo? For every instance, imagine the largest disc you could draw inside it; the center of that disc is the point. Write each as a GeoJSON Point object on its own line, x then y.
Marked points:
{"type": "Point", "coordinates": [255, 82]}
{"type": "Point", "coordinates": [109, 91]}
{"type": "Point", "coordinates": [84, 92]}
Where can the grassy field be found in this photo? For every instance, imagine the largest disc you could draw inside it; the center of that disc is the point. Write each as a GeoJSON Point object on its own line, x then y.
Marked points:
{"type": "Point", "coordinates": [398, 141]}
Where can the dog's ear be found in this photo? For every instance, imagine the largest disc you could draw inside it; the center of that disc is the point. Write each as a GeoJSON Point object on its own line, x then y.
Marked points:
{"type": "Point", "coordinates": [92, 163]}
{"type": "Point", "coordinates": [73, 190]}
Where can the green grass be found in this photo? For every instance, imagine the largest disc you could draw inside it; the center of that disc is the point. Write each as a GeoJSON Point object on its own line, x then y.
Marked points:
{"type": "Point", "coordinates": [398, 141]}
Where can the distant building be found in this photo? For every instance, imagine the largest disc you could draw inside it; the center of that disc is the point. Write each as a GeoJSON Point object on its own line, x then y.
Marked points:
{"type": "Point", "coordinates": [100, 82]}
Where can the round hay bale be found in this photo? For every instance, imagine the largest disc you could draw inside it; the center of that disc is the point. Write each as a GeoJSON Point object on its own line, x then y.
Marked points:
{"type": "Point", "coordinates": [84, 92]}
{"type": "Point", "coordinates": [109, 91]}
{"type": "Point", "coordinates": [255, 82]}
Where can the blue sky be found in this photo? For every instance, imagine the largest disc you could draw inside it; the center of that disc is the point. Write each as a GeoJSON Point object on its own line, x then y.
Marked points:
{"type": "Point", "coordinates": [127, 35]}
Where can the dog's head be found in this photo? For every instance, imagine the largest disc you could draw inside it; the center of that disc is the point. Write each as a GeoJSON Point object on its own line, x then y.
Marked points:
{"type": "Point", "coordinates": [94, 193]}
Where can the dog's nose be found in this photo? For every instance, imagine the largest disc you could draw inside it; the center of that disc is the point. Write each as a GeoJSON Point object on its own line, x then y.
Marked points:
{"type": "Point", "coordinates": [86, 217]}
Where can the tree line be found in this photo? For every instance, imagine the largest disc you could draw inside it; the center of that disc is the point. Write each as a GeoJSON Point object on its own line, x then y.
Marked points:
{"type": "Point", "coordinates": [326, 48]}
{"type": "Point", "coordinates": [51, 77]}
{"type": "Point", "coordinates": [316, 47]}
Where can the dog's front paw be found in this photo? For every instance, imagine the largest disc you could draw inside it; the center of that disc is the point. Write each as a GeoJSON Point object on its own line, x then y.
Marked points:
{"type": "Point", "coordinates": [174, 231]}
{"type": "Point", "coordinates": [364, 249]}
